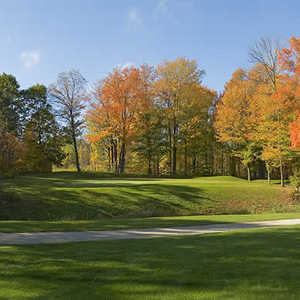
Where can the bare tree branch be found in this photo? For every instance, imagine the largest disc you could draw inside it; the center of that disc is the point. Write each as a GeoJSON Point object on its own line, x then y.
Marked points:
{"type": "Point", "coordinates": [265, 53]}
{"type": "Point", "coordinates": [68, 95]}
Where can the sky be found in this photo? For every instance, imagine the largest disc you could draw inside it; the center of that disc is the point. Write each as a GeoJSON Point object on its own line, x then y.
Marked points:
{"type": "Point", "coordinates": [41, 38]}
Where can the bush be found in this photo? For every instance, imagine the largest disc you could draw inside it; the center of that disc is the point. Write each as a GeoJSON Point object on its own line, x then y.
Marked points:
{"type": "Point", "coordinates": [295, 180]}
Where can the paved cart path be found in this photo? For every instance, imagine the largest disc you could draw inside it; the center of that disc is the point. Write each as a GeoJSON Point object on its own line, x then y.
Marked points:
{"type": "Point", "coordinates": [83, 236]}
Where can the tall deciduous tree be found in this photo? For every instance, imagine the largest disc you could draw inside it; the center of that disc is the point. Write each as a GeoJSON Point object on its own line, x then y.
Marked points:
{"type": "Point", "coordinates": [10, 150]}
{"type": "Point", "coordinates": [9, 121]}
{"type": "Point", "coordinates": [234, 119]}
{"type": "Point", "coordinates": [9, 93]}
{"type": "Point", "coordinates": [68, 95]}
{"type": "Point", "coordinates": [289, 62]}
{"type": "Point", "coordinates": [265, 56]}
{"type": "Point", "coordinates": [151, 143]}
{"type": "Point", "coordinates": [31, 100]}
{"type": "Point", "coordinates": [43, 142]}
{"type": "Point", "coordinates": [118, 100]}
{"type": "Point", "coordinates": [273, 129]}
{"type": "Point", "coordinates": [195, 128]}
{"type": "Point", "coordinates": [175, 81]}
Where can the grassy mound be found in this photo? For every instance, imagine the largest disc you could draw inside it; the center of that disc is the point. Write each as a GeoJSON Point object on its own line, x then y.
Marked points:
{"type": "Point", "coordinates": [71, 196]}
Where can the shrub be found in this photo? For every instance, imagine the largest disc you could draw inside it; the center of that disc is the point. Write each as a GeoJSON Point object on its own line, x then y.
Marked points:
{"type": "Point", "coordinates": [295, 180]}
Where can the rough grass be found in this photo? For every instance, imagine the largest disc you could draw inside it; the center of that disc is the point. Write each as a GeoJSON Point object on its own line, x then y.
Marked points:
{"type": "Point", "coordinates": [257, 264]}
{"type": "Point", "coordinates": [69, 196]}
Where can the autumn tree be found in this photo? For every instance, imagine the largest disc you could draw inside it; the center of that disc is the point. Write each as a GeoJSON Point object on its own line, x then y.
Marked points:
{"type": "Point", "coordinates": [294, 128]}
{"type": "Point", "coordinates": [116, 104]}
{"type": "Point", "coordinates": [175, 81]}
{"type": "Point", "coordinates": [288, 94]}
{"type": "Point", "coordinates": [273, 129]}
{"type": "Point", "coordinates": [151, 113]}
{"type": "Point", "coordinates": [235, 119]}
{"type": "Point", "coordinates": [265, 56]}
{"type": "Point", "coordinates": [278, 106]}
{"type": "Point", "coordinates": [195, 136]}
{"type": "Point", "coordinates": [68, 95]}
{"type": "Point", "coordinates": [289, 62]}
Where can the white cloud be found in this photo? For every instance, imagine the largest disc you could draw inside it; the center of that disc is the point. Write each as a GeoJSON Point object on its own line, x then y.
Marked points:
{"type": "Point", "coordinates": [134, 16]}
{"type": "Point", "coordinates": [125, 65]}
{"type": "Point", "coordinates": [30, 58]}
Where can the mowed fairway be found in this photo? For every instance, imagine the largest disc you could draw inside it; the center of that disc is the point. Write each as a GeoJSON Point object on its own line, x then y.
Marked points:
{"type": "Point", "coordinates": [241, 265]}
{"type": "Point", "coordinates": [68, 196]}
{"type": "Point", "coordinates": [259, 264]}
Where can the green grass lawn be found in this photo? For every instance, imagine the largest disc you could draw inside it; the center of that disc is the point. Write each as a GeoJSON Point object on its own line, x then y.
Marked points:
{"type": "Point", "coordinates": [69, 196]}
{"type": "Point", "coordinates": [116, 223]}
{"type": "Point", "coordinates": [256, 264]}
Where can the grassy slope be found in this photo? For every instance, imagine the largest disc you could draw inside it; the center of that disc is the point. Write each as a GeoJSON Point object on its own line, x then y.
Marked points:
{"type": "Point", "coordinates": [258, 264]}
{"type": "Point", "coordinates": [68, 196]}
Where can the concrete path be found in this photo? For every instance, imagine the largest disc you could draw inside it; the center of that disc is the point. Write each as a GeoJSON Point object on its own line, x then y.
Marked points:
{"type": "Point", "coordinates": [77, 236]}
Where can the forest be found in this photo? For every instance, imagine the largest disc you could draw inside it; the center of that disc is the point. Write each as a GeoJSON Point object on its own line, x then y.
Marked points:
{"type": "Point", "coordinates": [159, 120]}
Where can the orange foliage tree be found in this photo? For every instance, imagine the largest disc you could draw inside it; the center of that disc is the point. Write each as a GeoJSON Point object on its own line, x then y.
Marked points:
{"type": "Point", "coordinates": [289, 61]}
{"type": "Point", "coordinates": [115, 106]}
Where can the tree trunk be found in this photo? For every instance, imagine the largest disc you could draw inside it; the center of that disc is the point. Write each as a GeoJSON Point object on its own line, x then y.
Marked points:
{"type": "Point", "coordinates": [261, 169]}
{"type": "Point", "coordinates": [157, 167]}
{"type": "Point", "coordinates": [174, 160]}
{"type": "Point", "coordinates": [149, 166]}
{"type": "Point", "coordinates": [281, 175]}
{"type": "Point", "coordinates": [249, 174]}
{"type": "Point", "coordinates": [115, 158]}
{"type": "Point", "coordinates": [268, 173]}
{"type": "Point", "coordinates": [185, 158]}
{"type": "Point", "coordinates": [174, 150]}
{"type": "Point", "coordinates": [112, 154]}
{"type": "Point", "coordinates": [112, 157]}
{"type": "Point", "coordinates": [170, 148]}
{"type": "Point", "coordinates": [222, 163]}
{"type": "Point", "coordinates": [76, 152]}
{"type": "Point", "coordinates": [269, 177]}
{"type": "Point", "coordinates": [109, 159]}
{"type": "Point", "coordinates": [232, 166]}
{"type": "Point", "coordinates": [122, 158]}
{"type": "Point", "coordinates": [194, 164]}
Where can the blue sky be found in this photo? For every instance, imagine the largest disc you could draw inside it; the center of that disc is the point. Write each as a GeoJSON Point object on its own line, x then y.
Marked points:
{"type": "Point", "coordinates": [42, 38]}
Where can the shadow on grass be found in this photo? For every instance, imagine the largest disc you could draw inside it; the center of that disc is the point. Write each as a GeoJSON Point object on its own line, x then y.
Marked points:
{"type": "Point", "coordinates": [260, 264]}
{"type": "Point", "coordinates": [53, 202]}
{"type": "Point", "coordinates": [73, 198]}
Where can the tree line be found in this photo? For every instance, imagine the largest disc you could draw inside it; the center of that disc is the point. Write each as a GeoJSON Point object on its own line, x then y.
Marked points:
{"type": "Point", "coordinates": [159, 120]}
{"type": "Point", "coordinates": [258, 112]}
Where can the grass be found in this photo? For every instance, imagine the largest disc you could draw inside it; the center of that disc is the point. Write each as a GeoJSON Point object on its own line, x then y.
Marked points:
{"type": "Point", "coordinates": [69, 196]}
{"type": "Point", "coordinates": [112, 224]}
{"type": "Point", "coordinates": [256, 264]}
